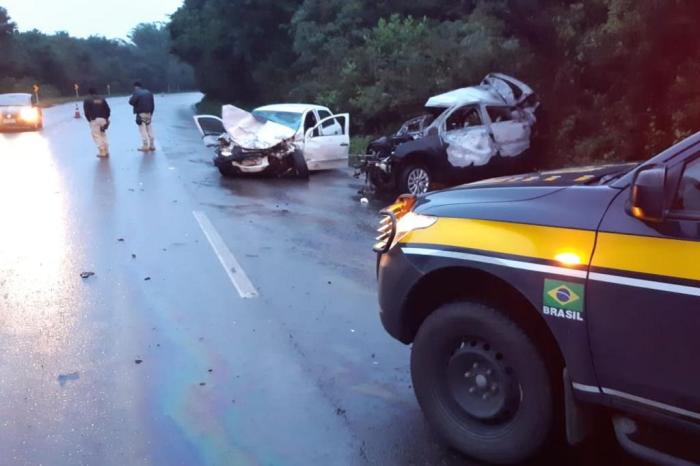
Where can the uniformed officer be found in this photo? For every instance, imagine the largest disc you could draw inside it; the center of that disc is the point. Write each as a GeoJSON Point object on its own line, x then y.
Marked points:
{"type": "Point", "coordinates": [97, 112]}
{"type": "Point", "coordinates": [144, 105]}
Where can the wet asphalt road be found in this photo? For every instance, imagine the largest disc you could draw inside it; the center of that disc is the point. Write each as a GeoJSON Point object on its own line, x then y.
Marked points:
{"type": "Point", "coordinates": [156, 359]}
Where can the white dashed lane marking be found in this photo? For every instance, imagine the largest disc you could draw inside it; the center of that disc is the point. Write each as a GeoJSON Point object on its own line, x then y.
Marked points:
{"type": "Point", "coordinates": [234, 270]}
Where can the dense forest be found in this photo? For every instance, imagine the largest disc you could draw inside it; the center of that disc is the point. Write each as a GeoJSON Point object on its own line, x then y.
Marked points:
{"type": "Point", "coordinates": [617, 78]}
{"type": "Point", "coordinates": [57, 61]}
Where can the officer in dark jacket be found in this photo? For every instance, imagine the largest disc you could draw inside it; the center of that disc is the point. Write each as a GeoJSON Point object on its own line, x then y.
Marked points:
{"type": "Point", "coordinates": [144, 105]}
{"type": "Point", "coordinates": [97, 113]}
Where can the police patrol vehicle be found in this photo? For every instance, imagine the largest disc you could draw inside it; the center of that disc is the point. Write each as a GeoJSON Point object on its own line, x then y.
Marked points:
{"type": "Point", "coordinates": [531, 300]}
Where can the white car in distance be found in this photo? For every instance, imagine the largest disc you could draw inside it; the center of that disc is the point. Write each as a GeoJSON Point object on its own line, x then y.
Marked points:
{"type": "Point", "coordinates": [277, 139]}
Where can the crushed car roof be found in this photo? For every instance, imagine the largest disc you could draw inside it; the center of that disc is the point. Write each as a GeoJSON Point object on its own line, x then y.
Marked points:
{"type": "Point", "coordinates": [494, 89]}
{"type": "Point", "coordinates": [464, 95]}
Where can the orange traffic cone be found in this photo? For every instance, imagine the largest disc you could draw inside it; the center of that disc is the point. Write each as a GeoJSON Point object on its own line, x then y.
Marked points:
{"type": "Point", "coordinates": [77, 111]}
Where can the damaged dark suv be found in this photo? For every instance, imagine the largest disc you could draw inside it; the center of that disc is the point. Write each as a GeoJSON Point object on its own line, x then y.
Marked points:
{"type": "Point", "coordinates": [465, 135]}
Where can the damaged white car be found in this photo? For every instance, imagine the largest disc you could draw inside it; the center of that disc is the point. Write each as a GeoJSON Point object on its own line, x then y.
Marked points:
{"type": "Point", "coordinates": [466, 134]}
{"type": "Point", "coordinates": [277, 139]}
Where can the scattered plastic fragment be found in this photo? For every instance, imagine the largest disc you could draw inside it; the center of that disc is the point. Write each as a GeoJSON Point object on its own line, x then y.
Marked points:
{"type": "Point", "coordinates": [138, 361]}
{"type": "Point", "coordinates": [86, 274]}
{"type": "Point", "coordinates": [63, 378]}
{"type": "Point", "coordinates": [364, 200]}
{"type": "Point", "coordinates": [146, 279]}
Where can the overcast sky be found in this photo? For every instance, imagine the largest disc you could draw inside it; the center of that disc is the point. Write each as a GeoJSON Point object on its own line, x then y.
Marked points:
{"type": "Point", "coordinates": [83, 18]}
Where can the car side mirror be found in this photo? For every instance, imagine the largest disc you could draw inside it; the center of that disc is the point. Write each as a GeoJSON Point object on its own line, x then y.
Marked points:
{"type": "Point", "coordinates": [309, 133]}
{"type": "Point", "coordinates": [648, 196]}
{"type": "Point", "coordinates": [432, 131]}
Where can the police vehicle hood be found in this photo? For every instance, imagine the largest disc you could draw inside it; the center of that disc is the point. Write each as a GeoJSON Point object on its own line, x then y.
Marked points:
{"type": "Point", "coordinates": [540, 197]}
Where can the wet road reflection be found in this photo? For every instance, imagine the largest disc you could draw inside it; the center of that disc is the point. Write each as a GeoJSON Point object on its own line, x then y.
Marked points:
{"type": "Point", "coordinates": [33, 248]}
{"type": "Point", "coordinates": [38, 314]}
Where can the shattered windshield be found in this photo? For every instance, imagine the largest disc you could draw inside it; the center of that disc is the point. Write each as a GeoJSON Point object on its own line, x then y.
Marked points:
{"type": "Point", "coordinates": [289, 119]}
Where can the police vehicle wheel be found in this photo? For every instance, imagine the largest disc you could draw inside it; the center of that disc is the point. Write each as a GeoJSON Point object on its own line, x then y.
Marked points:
{"type": "Point", "coordinates": [227, 171]}
{"type": "Point", "coordinates": [482, 383]}
{"type": "Point", "coordinates": [300, 164]}
{"type": "Point", "coordinates": [415, 179]}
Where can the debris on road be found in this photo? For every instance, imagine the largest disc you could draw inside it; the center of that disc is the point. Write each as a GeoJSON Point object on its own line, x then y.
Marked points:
{"type": "Point", "coordinates": [121, 240]}
{"type": "Point", "coordinates": [84, 275]}
{"type": "Point", "coordinates": [63, 378]}
{"type": "Point", "coordinates": [133, 256]}
{"type": "Point", "coordinates": [364, 201]}
{"type": "Point", "coordinates": [146, 279]}
{"type": "Point", "coordinates": [138, 361]}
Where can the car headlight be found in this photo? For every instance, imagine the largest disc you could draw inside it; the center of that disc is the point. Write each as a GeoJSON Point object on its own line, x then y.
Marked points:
{"type": "Point", "coordinates": [397, 221]}
{"type": "Point", "coordinates": [29, 114]}
{"type": "Point", "coordinates": [411, 222]}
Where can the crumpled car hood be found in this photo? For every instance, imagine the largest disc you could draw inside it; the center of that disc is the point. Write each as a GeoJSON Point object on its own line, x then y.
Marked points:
{"type": "Point", "coordinates": [250, 132]}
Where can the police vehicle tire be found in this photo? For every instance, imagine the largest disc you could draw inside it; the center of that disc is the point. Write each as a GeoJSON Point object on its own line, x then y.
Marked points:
{"type": "Point", "coordinates": [412, 175]}
{"type": "Point", "coordinates": [227, 171]}
{"type": "Point", "coordinates": [300, 164]}
{"type": "Point", "coordinates": [507, 428]}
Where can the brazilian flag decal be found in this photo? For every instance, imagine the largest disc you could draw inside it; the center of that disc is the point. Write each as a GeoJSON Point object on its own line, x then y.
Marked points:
{"type": "Point", "coordinates": [563, 295]}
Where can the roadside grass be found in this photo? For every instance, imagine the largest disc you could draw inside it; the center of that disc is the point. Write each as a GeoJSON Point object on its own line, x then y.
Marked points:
{"type": "Point", "coordinates": [358, 148]}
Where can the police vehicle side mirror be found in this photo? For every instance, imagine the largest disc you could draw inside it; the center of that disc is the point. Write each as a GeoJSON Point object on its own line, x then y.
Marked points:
{"type": "Point", "coordinates": [648, 195]}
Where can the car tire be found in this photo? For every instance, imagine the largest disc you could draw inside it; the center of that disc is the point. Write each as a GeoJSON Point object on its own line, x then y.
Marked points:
{"type": "Point", "coordinates": [414, 179]}
{"type": "Point", "coordinates": [482, 383]}
{"type": "Point", "coordinates": [227, 170]}
{"type": "Point", "coordinates": [300, 167]}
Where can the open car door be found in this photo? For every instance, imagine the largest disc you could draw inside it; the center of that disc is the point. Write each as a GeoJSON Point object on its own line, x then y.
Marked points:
{"type": "Point", "coordinates": [510, 129]}
{"type": "Point", "coordinates": [210, 127]}
{"type": "Point", "coordinates": [327, 144]}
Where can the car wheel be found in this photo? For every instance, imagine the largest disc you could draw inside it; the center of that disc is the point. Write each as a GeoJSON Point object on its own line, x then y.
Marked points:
{"type": "Point", "coordinates": [415, 179]}
{"type": "Point", "coordinates": [300, 166]}
{"type": "Point", "coordinates": [482, 383]}
{"type": "Point", "coordinates": [227, 170]}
